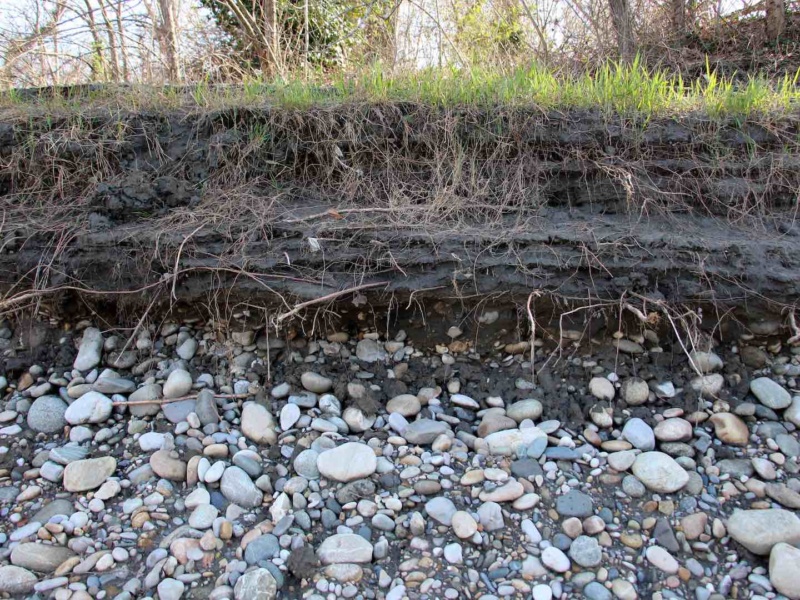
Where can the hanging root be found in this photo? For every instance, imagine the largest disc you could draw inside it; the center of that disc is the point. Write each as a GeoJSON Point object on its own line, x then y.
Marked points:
{"type": "Point", "coordinates": [652, 318]}
{"type": "Point", "coordinates": [795, 339]}
{"type": "Point", "coordinates": [532, 319]}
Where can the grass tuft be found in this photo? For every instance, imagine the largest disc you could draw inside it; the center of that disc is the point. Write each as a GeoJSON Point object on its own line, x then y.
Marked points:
{"type": "Point", "coordinates": [629, 90]}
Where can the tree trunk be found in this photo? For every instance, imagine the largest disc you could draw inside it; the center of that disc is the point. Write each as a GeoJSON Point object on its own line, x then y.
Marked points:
{"type": "Point", "coordinates": [540, 32]}
{"type": "Point", "coordinates": [170, 34]}
{"type": "Point", "coordinates": [623, 25]}
{"type": "Point", "coordinates": [253, 29]}
{"type": "Point", "coordinates": [123, 45]}
{"type": "Point", "coordinates": [306, 37]}
{"type": "Point", "coordinates": [270, 10]}
{"type": "Point", "coordinates": [678, 18]}
{"type": "Point", "coordinates": [776, 19]}
{"type": "Point", "coordinates": [112, 41]}
{"type": "Point", "coordinates": [98, 63]}
{"type": "Point", "coordinates": [152, 60]}
{"type": "Point", "coordinates": [56, 69]}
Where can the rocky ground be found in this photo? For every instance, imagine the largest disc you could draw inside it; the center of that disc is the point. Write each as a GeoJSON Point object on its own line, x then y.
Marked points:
{"type": "Point", "coordinates": [179, 462]}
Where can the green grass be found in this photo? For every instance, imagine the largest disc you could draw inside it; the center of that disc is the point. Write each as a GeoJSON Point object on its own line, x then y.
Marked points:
{"type": "Point", "coordinates": [615, 88]}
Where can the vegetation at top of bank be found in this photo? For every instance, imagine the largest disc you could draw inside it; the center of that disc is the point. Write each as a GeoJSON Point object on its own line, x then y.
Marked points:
{"type": "Point", "coordinates": [614, 88]}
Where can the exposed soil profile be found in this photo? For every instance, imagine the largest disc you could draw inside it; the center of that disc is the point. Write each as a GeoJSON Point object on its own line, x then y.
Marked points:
{"type": "Point", "coordinates": [396, 202]}
{"type": "Point", "coordinates": [392, 351]}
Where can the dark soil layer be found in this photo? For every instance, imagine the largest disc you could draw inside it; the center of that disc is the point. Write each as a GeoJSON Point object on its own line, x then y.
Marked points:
{"type": "Point", "coordinates": [268, 206]}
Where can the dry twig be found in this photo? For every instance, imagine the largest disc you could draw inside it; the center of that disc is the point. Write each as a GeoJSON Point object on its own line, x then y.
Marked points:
{"type": "Point", "coordinates": [327, 297]}
{"type": "Point", "coordinates": [162, 401]}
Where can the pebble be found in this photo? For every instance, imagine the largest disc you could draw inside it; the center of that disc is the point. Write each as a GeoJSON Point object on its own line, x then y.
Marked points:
{"type": "Point", "coordinates": [633, 487]}
{"type": "Point", "coordinates": [640, 434]}
{"type": "Point", "coordinates": [596, 591]}
{"type": "Point", "coordinates": [108, 490]}
{"type": "Point", "coordinates": [90, 350]}
{"type": "Point", "coordinates": [305, 464]}
{"type": "Point", "coordinates": [490, 515]}
{"type": "Point", "coordinates": [764, 467]}
{"type": "Point", "coordinates": [555, 560]}
{"type": "Point", "coordinates": [368, 351]}
{"type": "Point", "coordinates": [44, 558]}
{"type": "Point", "coordinates": [347, 462]}
{"type": "Point", "coordinates": [356, 420]}
{"type": "Point", "coordinates": [507, 492]}
{"type": "Point", "coordinates": [424, 431]}
{"type": "Point", "coordinates": [693, 526]}
{"type": "Point", "coordinates": [659, 472]}
{"type": "Point", "coordinates": [237, 487]}
{"type": "Point", "coordinates": [178, 384]}
{"type": "Point", "coordinates": [147, 392]}
{"type": "Point", "coordinates": [634, 391]}
{"type": "Point", "coordinates": [512, 441]}
{"type": "Point", "coordinates": [542, 591]}
{"type": "Point", "coordinates": [404, 404]}
{"type": "Point", "coordinates": [784, 495]}
{"type": "Point", "coordinates": [623, 590]}
{"type": "Point", "coordinates": [187, 349]}
{"type": "Point", "coordinates": [707, 362]}
{"type": "Point", "coordinates": [730, 429]}
{"type": "Point", "coordinates": [525, 409]}
{"type": "Point", "coordinates": [464, 526]}
{"type": "Point", "coordinates": [170, 589]}
{"type": "Point", "coordinates": [441, 509]}
{"type": "Point", "coordinates": [258, 424]}
{"type": "Point", "coordinates": [574, 504]}
{"type": "Point", "coordinates": [586, 551]}
{"type": "Point", "coordinates": [258, 584]}
{"type": "Point", "coordinates": [314, 382]}
{"type": "Point", "coordinates": [464, 401]}
{"type": "Point", "coordinates": [51, 471]}
{"type": "Point", "coordinates": [784, 566]}
{"type": "Point", "coordinates": [707, 385]}
{"type": "Point", "coordinates": [344, 548]}
{"type": "Point", "coordinates": [88, 474]}
{"type": "Point", "coordinates": [760, 530]}
{"type": "Point", "coordinates": [91, 407]}
{"type": "Point", "coordinates": [203, 516]}
{"type": "Point", "coordinates": [46, 414]}
{"type": "Point", "coordinates": [602, 389]}
{"type": "Point", "coordinates": [206, 408]}
{"type": "Point", "coordinates": [792, 413]}
{"type": "Point", "coordinates": [454, 554]}
{"type": "Point", "coordinates": [167, 465]}
{"type": "Point", "coordinates": [665, 389]}
{"type": "Point", "coordinates": [290, 414]}
{"type": "Point", "coordinates": [661, 559]}
{"type": "Point", "coordinates": [673, 430]}
{"type": "Point", "coordinates": [770, 394]}
{"type": "Point", "coordinates": [113, 385]}
{"type": "Point", "coordinates": [151, 441]}
{"type": "Point", "coordinates": [16, 580]}
{"type": "Point", "coordinates": [622, 461]}
{"type": "Point", "coordinates": [264, 547]}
